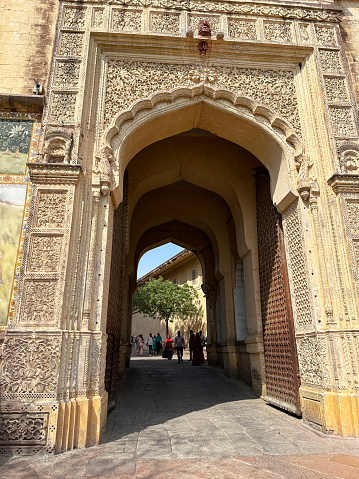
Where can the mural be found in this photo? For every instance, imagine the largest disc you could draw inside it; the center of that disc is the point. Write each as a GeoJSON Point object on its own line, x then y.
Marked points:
{"type": "Point", "coordinates": [12, 202]}
{"type": "Point", "coordinates": [15, 137]}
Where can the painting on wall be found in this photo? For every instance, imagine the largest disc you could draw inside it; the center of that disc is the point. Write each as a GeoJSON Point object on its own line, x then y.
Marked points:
{"type": "Point", "coordinates": [12, 203]}
{"type": "Point", "coordinates": [15, 138]}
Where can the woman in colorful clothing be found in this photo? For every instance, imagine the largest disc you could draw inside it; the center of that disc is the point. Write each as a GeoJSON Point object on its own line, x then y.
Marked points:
{"type": "Point", "coordinates": [168, 351]}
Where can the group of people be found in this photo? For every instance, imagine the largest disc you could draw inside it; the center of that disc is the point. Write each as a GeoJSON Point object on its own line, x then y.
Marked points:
{"type": "Point", "coordinates": [153, 342]}
{"type": "Point", "coordinates": [196, 344]}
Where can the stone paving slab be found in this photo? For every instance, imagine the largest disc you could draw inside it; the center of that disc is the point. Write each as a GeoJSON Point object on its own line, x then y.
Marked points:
{"type": "Point", "coordinates": [175, 420]}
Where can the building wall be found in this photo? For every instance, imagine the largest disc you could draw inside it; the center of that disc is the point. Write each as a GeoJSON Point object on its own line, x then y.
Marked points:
{"type": "Point", "coordinates": [350, 33]}
{"type": "Point", "coordinates": [27, 32]}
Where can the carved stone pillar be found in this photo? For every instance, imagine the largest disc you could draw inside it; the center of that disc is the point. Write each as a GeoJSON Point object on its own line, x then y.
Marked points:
{"type": "Point", "coordinates": [36, 340]}
{"type": "Point", "coordinates": [51, 378]}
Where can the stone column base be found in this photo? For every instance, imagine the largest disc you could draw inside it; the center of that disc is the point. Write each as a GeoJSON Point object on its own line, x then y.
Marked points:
{"type": "Point", "coordinates": [81, 422]}
{"type": "Point", "coordinates": [52, 427]}
{"type": "Point", "coordinates": [331, 412]}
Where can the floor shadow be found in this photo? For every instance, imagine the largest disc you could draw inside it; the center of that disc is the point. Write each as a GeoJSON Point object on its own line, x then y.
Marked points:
{"type": "Point", "coordinates": [156, 390]}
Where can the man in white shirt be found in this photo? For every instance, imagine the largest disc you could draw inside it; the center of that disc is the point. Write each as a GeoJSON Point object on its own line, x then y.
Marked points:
{"type": "Point", "coordinates": [149, 343]}
{"type": "Point", "coordinates": [179, 344]}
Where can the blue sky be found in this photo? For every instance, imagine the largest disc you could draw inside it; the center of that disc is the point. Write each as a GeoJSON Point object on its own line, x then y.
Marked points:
{"type": "Point", "coordinates": [155, 257]}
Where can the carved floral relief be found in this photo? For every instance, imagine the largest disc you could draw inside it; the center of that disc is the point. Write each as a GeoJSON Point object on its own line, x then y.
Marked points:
{"type": "Point", "coordinates": [126, 20]}
{"type": "Point", "coordinates": [242, 29]}
{"type": "Point", "coordinates": [30, 366]}
{"type": "Point", "coordinates": [51, 209]}
{"type": "Point", "coordinates": [128, 81]}
{"type": "Point", "coordinates": [74, 17]}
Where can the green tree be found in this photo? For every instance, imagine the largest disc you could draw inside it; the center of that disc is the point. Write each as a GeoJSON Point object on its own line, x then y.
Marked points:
{"type": "Point", "coordinates": [159, 298]}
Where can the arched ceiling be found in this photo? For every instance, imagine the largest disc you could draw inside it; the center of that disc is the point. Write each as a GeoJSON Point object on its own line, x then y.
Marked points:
{"type": "Point", "coordinates": [205, 160]}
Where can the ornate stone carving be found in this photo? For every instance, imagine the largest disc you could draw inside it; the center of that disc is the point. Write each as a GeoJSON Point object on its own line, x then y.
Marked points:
{"type": "Point", "coordinates": [67, 74]}
{"type": "Point", "coordinates": [343, 122]}
{"type": "Point", "coordinates": [128, 81]}
{"type": "Point", "coordinates": [336, 89]}
{"type": "Point", "coordinates": [303, 164]}
{"type": "Point", "coordinates": [51, 210]}
{"type": "Point", "coordinates": [304, 32]}
{"type": "Point", "coordinates": [313, 366]}
{"type": "Point", "coordinates": [126, 20]}
{"type": "Point", "coordinates": [45, 253]}
{"type": "Point", "coordinates": [103, 168]}
{"type": "Point", "coordinates": [63, 107]}
{"type": "Point", "coordinates": [168, 23]}
{"type": "Point", "coordinates": [30, 366]}
{"type": "Point", "coordinates": [71, 44]}
{"type": "Point", "coordinates": [213, 21]}
{"type": "Point", "coordinates": [349, 157]}
{"type": "Point", "coordinates": [242, 29]}
{"type": "Point", "coordinates": [330, 61]}
{"type": "Point", "coordinates": [74, 17]}
{"type": "Point", "coordinates": [353, 216]}
{"type": "Point", "coordinates": [58, 145]}
{"type": "Point", "coordinates": [97, 365]}
{"type": "Point", "coordinates": [229, 7]}
{"type": "Point", "coordinates": [279, 32]}
{"type": "Point", "coordinates": [97, 18]}
{"type": "Point", "coordinates": [325, 35]}
{"type": "Point", "coordinates": [39, 302]}
{"type": "Point", "coordinates": [297, 268]}
{"type": "Point", "coordinates": [23, 428]}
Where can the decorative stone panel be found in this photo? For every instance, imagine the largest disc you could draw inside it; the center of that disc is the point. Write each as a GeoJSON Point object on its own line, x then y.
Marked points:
{"type": "Point", "coordinates": [330, 61]}
{"type": "Point", "coordinates": [71, 44]}
{"type": "Point", "coordinates": [336, 89]}
{"type": "Point", "coordinates": [242, 29]}
{"type": "Point", "coordinates": [129, 20]}
{"type": "Point", "coordinates": [325, 35]}
{"type": "Point", "coordinates": [343, 122]}
{"type": "Point", "coordinates": [51, 209]}
{"type": "Point", "coordinates": [305, 33]}
{"type": "Point", "coordinates": [313, 361]}
{"type": "Point", "coordinates": [297, 269]}
{"type": "Point", "coordinates": [74, 18]}
{"type": "Point", "coordinates": [347, 187]}
{"type": "Point", "coordinates": [97, 18]}
{"type": "Point", "coordinates": [45, 253]}
{"type": "Point", "coordinates": [66, 74]}
{"type": "Point", "coordinates": [39, 303]}
{"type": "Point", "coordinates": [63, 107]}
{"type": "Point", "coordinates": [129, 81]}
{"type": "Point", "coordinates": [278, 32]}
{"type": "Point", "coordinates": [165, 22]}
{"type": "Point", "coordinates": [30, 365]}
{"type": "Point", "coordinates": [23, 429]}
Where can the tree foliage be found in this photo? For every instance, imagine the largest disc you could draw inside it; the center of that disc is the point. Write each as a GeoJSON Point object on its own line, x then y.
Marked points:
{"type": "Point", "coordinates": [159, 298]}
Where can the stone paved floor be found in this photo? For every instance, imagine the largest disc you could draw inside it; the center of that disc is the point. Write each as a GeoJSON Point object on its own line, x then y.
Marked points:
{"type": "Point", "coordinates": [178, 421]}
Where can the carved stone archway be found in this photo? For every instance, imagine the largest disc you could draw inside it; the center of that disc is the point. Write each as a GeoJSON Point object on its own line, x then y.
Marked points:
{"type": "Point", "coordinates": [104, 68]}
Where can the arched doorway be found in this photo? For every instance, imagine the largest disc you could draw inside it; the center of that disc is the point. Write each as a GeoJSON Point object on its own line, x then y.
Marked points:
{"type": "Point", "coordinates": [212, 195]}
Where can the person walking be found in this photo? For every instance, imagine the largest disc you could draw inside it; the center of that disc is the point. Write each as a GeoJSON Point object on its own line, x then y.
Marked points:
{"type": "Point", "coordinates": [149, 343]}
{"type": "Point", "coordinates": [158, 343]}
{"type": "Point", "coordinates": [168, 351]}
{"type": "Point", "coordinates": [198, 357]}
{"type": "Point", "coordinates": [179, 345]}
{"type": "Point", "coordinates": [190, 344]}
{"type": "Point", "coordinates": [140, 345]}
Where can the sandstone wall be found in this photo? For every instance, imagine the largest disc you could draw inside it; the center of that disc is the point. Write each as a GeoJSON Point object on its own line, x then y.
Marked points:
{"type": "Point", "coordinates": [350, 34]}
{"type": "Point", "coordinates": [27, 31]}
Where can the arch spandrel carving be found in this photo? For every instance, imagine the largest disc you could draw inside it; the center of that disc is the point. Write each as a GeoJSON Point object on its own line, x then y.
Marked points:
{"type": "Point", "coordinates": [276, 150]}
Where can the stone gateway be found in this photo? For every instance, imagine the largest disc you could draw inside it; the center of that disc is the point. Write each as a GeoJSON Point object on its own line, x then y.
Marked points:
{"type": "Point", "coordinates": [229, 128]}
